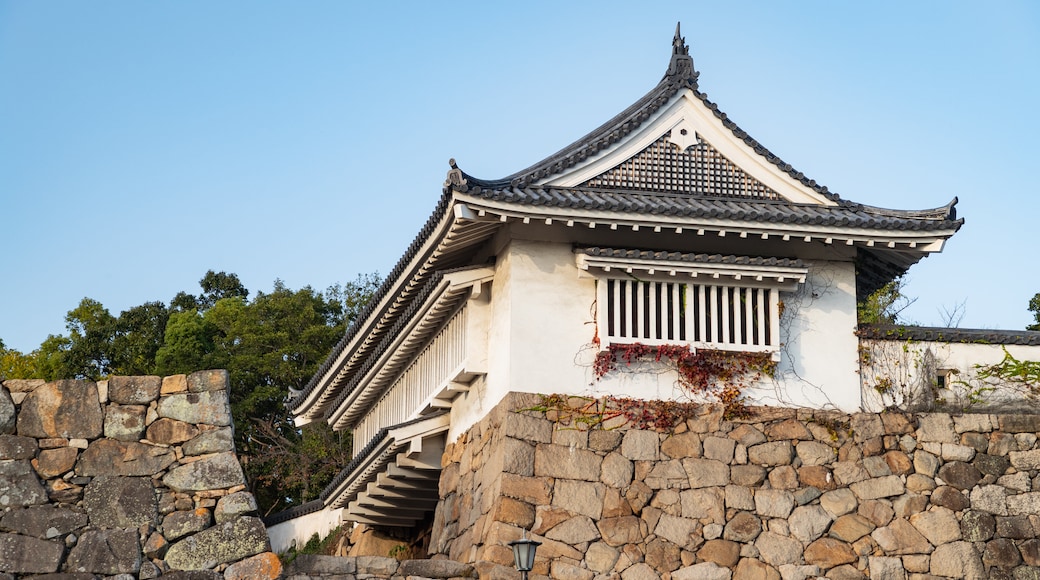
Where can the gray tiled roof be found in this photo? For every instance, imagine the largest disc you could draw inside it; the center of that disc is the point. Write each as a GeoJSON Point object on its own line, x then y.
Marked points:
{"type": "Point", "coordinates": [846, 214]}
{"type": "Point", "coordinates": [680, 75]}
{"type": "Point", "coordinates": [691, 257]}
{"type": "Point", "coordinates": [941, 334]}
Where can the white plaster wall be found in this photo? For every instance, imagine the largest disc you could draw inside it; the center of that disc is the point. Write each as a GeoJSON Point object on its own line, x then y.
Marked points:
{"type": "Point", "coordinates": [485, 392]}
{"type": "Point", "coordinates": [912, 366]}
{"type": "Point", "coordinates": [543, 325]}
{"type": "Point", "coordinates": [300, 530]}
{"type": "Point", "coordinates": [819, 359]}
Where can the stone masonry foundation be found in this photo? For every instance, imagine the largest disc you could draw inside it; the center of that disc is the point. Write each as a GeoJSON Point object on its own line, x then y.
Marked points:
{"type": "Point", "coordinates": [785, 493]}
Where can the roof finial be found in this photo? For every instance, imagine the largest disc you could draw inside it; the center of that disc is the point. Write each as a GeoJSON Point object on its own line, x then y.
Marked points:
{"type": "Point", "coordinates": [679, 43]}
{"type": "Point", "coordinates": [680, 69]}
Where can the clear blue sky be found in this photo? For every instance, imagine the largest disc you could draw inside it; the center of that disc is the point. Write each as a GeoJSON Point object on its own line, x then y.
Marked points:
{"type": "Point", "coordinates": [143, 143]}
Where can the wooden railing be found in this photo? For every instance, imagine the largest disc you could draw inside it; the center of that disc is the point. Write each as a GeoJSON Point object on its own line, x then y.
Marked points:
{"type": "Point", "coordinates": [435, 365]}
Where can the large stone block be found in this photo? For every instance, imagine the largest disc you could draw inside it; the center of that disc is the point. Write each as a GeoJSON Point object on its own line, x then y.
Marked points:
{"type": "Point", "coordinates": [938, 525]}
{"type": "Point", "coordinates": [212, 380]}
{"type": "Point", "coordinates": [815, 453]}
{"type": "Point", "coordinates": [809, 522]}
{"type": "Point", "coordinates": [900, 537]}
{"type": "Point", "coordinates": [434, 569]}
{"type": "Point", "coordinates": [19, 485]}
{"type": "Point", "coordinates": [55, 462]}
{"type": "Point", "coordinates": [237, 504]}
{"type": "Point", "coordinates": [69, 409]}
{"type": "Point", "coordinates": [178, 524]}
{"type": "Point", "coordinates": [43, 521]}
{"type": "Point", "coordinates": [111, 457]}
{"type": "Point", "coordinates": [707, 503]}
{"type": "Point", "coordinates": [533, 490]}
{"type": "Point", "coordinates": [207, 407]}
{"type": "Point", "coordinates": [125, 422]}
{"type": "Point", "coordinates": [703, 571]}
{"type": "Point", "coordinates": [574, 530]}
{"type": "Point", "coordinates": [8, 412]}
{"type": "Point", "coordinates": [106, 552]}
{"type": "Point", "coordinates": [771, 453]}
{"type": "Point", "coordinates": [878, 487]}
{"type": "Point", "coordinates": [851, 527]}
{"type": "Point", "coordinates": [829, 552]}
{"type": "Point", "coordinates": [617, 470]}
{"type": "Point", "coordinates": [688, 445]}
{"type": "Point", "coordinates": [777, 550]}
{"type": "Point", "coordinates": [620, 531]}
{"type": "Point", "coordinates": [166, 431]}
{"type": "Point", "coordinates": [120, 502]}
{"type": "Point", "coordinates": [676, 530]}
{"type": "Point", "coordinates": [959, 474]}
{"type": "Point", "coordinates": [212, 441]}
{"type": "Point", "coordinates": [566, 463]}
{"type": "Point", "coordinates": [957, 560]}
{"type": "Point", "coordinates": [221, 544]}
{"type": "Point", "coordinates": [774, 503]}
{"type": "Point", "coordinates": [16, 447]}
{"type": "Point", "coordinates": [25, 555]}
{"type": "Point", "coordinates": [133, 390]}
{"type": "Point", "coordinates": [219, 471]}
{"type": "Point", "coordinates": [640, 445]}
{"type": "Point", "coordinates": [264, 566]}
{"type": "Point", "coordinates": [580, 497]}
{"type": "Point", "coordinates": [706, 472]}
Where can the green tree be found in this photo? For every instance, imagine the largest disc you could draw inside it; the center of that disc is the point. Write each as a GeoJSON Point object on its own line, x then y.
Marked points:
{"type": "Point", "coordinates": [1034, 307]}
{"type": "Point", "coordinates": [219, 285]}
{"type": "Point", "coordinates": [270, 344]}
{"type": "Point", "coordinates": [88, 351]}
{"type": "Point", "coordinates": [187, 344]}
{"type": "Point", "coordinates": [15, 365]}
{"type": "Point", "coordinates": [139, 334]}
{"type": "Point", "coordinates": [884, 305]}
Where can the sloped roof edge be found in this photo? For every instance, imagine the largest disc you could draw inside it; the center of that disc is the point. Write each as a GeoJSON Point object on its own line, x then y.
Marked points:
{"type": "Point", "coordinates": [949, 335]}
{"type": "Point", "coordinates": [680, 75]}
{"type": "Point", "coordinates": [377, 298]}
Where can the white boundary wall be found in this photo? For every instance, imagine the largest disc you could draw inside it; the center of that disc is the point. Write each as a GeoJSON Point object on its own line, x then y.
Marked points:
{"type": "Point", "coordinates": [300, 529]}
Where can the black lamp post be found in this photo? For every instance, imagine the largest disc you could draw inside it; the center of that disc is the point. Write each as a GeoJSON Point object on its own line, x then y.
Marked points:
{"type": "Point", "coordinates": [523, 554]}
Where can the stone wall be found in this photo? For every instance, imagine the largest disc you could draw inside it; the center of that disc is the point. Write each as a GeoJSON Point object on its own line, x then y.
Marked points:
{"type": "Point", "coordinates": [785, 493]}
{"type": "Point", "coordinates": [134, 476]}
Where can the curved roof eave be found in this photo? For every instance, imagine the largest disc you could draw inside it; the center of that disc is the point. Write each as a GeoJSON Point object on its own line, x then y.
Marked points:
{"type": "Point", "coordinates": [680, 75]}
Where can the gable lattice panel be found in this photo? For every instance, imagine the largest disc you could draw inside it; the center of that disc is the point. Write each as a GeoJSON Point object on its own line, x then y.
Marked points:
{"type": "Point", "coordinates": [700, 170]}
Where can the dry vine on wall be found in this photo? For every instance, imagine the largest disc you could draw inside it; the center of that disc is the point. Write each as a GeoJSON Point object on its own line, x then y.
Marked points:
{"type": "Point", "coordinates": [715, 375]}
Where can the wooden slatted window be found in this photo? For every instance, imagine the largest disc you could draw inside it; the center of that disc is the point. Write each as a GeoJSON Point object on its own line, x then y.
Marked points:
{"type": "Point", "coordinates": [709, 316]}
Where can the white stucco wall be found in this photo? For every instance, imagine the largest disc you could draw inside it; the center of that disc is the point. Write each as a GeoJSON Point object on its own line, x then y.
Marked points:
{"type": "Point", "coordinates": [819, 365]}
{"type": "Point", "coordinates": [300, 530]}
{"type": "Point", "coordinates": [543, 325]}
{"type": "Point", "coordinates": [911, 367]}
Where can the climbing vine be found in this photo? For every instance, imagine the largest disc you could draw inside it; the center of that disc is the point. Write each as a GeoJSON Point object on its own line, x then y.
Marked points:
{"type": "Point", "coordinates": [716, 375]}
{"type": "Point", "coordinates": [1020, 375]}
{"type": "Point", "coordinates": [611, 412]}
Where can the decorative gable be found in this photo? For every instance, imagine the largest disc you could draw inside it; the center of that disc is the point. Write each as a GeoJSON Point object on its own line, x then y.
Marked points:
{"type": "Point", "coordinates": [666, 166]}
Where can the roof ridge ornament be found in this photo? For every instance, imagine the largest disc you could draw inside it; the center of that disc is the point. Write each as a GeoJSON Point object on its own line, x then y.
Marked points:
{"type": "Point", "coordinates": [680, 69]}
{"type": "Point", "coordinates": [456, 179]}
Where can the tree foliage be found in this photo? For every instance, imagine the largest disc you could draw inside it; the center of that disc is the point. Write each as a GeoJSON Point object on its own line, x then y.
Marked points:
{"type": "Point", "coordinates": [1034, 307]}
{"type": "Point", "coordinates": [269, 345]}
{"type": "Point", "coordinates": [884, 305]}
